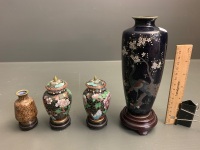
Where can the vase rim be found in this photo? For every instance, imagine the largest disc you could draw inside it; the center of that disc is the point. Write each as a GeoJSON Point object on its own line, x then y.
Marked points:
{"type": "Point", "coordinates": [145, 17]}
{"type": "Point", "coordinates": [22, 92]}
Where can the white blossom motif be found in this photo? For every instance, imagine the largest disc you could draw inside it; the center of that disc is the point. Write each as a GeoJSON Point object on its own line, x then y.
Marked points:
{"type": "Point", "coordinates": [148, 40]}
{"type": "Point", "coordinates": [124, 51]}
{"type": "Point", "coordinates": [142, 41]}
{"type": "Point", "coordinates": [143, 54]}
{"type": "Point", "coordinates": [132, 45]}
{"type": "Point", "coordinates": [155, 37]}
{"type": "Point", "coordinates": [159, 65]}
{"type": "Point", "coordinates": [48, 100]}
{"type": "Point", "coordinates": [137, 47]}
{"type": "Point", "coordinates": [136, 58]}
{"type": "Point", "coordinates": [62, 103]}
{"type": "Point", "coordinates": [156, 65]}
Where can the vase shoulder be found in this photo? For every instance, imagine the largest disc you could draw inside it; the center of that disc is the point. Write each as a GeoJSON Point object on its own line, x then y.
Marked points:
{"type": "Point", "coordinates": [139, 30]}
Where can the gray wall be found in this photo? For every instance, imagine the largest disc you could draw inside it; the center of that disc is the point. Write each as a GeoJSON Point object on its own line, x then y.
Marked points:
{"type": "Point", "coordinates": [65, 30]}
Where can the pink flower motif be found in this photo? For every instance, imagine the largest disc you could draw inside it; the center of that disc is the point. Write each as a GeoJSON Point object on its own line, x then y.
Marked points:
{"type": "Point", "coordinates": [106, 101]}
{"type": "Point", "coordinates": [56, 97]}
{"type": "Point", "coordinates": [62, 103]}
{"type": "Point", "coordinates": [95, 96]}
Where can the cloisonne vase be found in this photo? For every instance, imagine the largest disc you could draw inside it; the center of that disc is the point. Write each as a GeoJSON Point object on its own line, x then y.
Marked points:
{"type": "Point", "coordinates": [25, 111]}
{"type": "Point", "coordinates": [57, 100]}
{"type": "Point", "coordinates": [96, 100]}
{"type": "Point", "coordinates": [143, 56]}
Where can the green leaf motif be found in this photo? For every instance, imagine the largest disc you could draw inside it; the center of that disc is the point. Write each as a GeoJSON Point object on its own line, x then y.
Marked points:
{"type": "Point", "coordinates": [105, 92]}
{"type": "Point", "coordinates": [98, 105]}
{"type": "Point", "coordinates": [104, 111]}
{"type": "Point", "coordinates": [100, 96]}
{"type": "Point", "coordinates": [93, 100]}
{"type": "Point", "coordinates": [69, 92]}
{"type": "Point", "coordinates": [104, 95]}
{"type": "Point", "coordinates": [58, 111]}
{"type": "Point", "coordinates": [87, 106]}
{"type": "Point", "coordinates": [66, 112]}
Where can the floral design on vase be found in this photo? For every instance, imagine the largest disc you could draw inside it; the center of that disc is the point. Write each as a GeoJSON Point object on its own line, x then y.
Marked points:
{"type": "Point", "coordinates": [143, 56]}
{"type": "Point", "coordinates": [57, 101]}
{"type": "Point", "coordinates": [135, 51]}
{"type": "Point", "coordinates": [96, 100]}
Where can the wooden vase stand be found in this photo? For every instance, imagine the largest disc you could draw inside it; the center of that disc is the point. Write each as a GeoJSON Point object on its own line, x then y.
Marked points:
{"type": "Point", "coordinates": [96, 124]}
{"type": "Point", "coordinates": [140, 124]}
{"type": "Point", "coordinates": [28, 126]}
{"type": "Point", "coordinates": [60, 125]}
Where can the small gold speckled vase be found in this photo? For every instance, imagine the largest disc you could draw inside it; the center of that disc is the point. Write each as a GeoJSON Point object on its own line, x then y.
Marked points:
{"type": "Point", "coordinates": [25, 111]}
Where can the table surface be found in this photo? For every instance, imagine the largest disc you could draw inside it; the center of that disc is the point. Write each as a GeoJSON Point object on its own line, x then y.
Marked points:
{"type": "Point", "coordinates": [35, 75]}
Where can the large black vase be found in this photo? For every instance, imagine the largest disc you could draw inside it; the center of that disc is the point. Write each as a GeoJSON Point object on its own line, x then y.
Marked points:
{"type": "Point", "coordinates": [143, 56]}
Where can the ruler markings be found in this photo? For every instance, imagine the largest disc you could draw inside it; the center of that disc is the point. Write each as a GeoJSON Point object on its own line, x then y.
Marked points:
{"type": "Point", "coordinates": [178, 81]}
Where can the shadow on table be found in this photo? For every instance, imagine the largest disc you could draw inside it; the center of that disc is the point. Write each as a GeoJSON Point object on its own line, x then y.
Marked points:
{"type": "Point", "coordinates": [13, 125]}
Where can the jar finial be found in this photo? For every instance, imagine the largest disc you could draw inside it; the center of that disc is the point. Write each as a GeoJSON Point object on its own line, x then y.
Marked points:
{"type": "Point", "coordinates": [95, 78]}
{"type": "Point", "coordinates": [55, 79]}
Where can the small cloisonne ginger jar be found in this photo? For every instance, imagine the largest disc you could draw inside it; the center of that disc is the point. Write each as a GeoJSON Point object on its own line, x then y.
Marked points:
{"type": "Point", "coordinates": [96, 100]}
{"type": "Point", "coordinates": [25, 111]}
{"type": "Point", "coordinates": [57, 100]}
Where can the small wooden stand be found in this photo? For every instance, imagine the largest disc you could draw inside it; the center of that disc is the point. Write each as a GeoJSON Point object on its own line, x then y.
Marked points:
{"type": "Point", "coordinates": [96, 124]}
{"type": "Point", "coordinates": [60, 125]}
{"type": "Point", "coordinates": [27, 127]}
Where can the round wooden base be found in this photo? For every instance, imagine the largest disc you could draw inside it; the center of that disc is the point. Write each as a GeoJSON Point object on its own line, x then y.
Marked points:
{"type": "Point", "coordinates": [29, 126]}
{"type": "Point", "coordinates": [141, 124]}
{"type": "Point", "coordinates": [60, 125]}
{"type": "Point", "coordinates": [96, 124]}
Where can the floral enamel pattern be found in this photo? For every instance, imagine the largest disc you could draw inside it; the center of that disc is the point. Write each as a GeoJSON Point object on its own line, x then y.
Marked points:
{"type": "Point", "coordinates": [57, 100]}
{"type": "Point", "coordinates": [143, 66]}
{"type": "Point", "coordinates": [96, 104]}
{"type": "Point", "coordinates": [58, 105]}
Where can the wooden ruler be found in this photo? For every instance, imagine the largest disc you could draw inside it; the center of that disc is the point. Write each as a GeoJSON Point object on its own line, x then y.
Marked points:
{"type": "Point", "coordinates": [179, 77]}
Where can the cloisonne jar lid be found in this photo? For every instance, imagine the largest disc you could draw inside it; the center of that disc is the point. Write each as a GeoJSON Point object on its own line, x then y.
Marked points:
{"type": "Point", "coordinates": [96, 85]}
{"type": "Point", "coordinates": [56, 86]}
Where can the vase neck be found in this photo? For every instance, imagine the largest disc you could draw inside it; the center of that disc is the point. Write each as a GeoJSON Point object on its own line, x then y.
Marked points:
{"type": "Point", "coordinates": [22, 94]}
{"type": "Point", "coordinates": [145, 21]}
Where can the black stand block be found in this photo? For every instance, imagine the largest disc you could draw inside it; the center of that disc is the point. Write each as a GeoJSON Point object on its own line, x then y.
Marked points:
{"type": "Point", "coordinates": [184, 116]}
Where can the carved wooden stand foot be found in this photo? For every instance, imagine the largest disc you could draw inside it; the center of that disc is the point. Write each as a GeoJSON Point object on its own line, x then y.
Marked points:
{"type": "Point", "coordinates": [140, 124]}
{"type": "Point", "coordinates": [96, 124]}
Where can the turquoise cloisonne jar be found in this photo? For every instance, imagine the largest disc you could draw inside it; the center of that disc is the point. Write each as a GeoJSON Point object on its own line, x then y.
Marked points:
{"type": "Point", "coordinates": [57, 101]}
{"type": "Point", "coordinates": [96, 99]}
